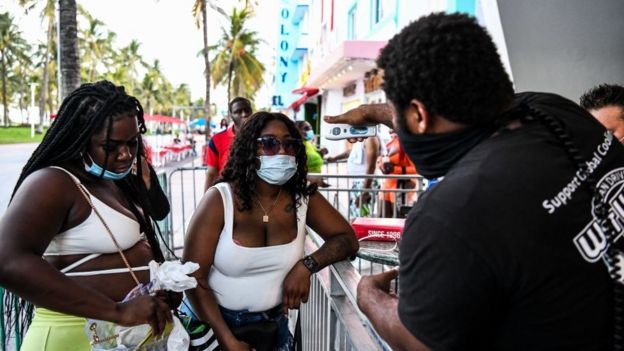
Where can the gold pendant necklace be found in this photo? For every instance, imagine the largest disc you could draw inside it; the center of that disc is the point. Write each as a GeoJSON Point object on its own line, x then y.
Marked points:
{"type": "Point", "coordinates": [265, 218]}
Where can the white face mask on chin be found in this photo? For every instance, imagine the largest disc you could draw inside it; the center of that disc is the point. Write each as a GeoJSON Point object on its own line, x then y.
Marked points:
{"type": "Point", "coordinates": [277, 169]}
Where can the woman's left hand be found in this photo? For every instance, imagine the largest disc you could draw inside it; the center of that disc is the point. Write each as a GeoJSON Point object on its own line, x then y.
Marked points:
{"type": "Point", "coordinates": [296, 287]}
{"type": "Point", "coordinates": [171, 298]}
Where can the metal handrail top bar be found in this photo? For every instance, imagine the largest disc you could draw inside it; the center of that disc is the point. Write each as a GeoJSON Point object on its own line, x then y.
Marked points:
{"type": "Point", "coordinates": [368, 176]}
{"type": "Point", "coordinates": [371, 190]}
{"type": "Point", "coordinates": [337, 176]}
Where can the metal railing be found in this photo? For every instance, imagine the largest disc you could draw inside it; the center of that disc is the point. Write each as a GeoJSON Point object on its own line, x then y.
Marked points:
{"type": "Point", "coordinates": [344, 190]}
{"type": "Point", "coordinates": [331, 319]}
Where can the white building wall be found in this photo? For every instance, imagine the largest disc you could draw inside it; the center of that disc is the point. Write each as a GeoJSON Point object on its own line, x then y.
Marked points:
{"type": "Point", "coordinates": [410, 11]}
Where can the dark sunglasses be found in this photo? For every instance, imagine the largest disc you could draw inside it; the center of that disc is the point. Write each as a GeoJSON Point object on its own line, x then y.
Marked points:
{"type": "Point", "coordinates": [271, 145]}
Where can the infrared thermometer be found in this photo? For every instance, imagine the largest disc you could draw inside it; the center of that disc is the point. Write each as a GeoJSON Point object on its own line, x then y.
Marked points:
{"type": "Point", "coordinates": [346, 131]}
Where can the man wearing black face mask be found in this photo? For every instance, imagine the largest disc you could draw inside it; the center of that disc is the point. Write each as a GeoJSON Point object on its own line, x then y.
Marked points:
{"type": "Point", "coordinates": [515, 248]}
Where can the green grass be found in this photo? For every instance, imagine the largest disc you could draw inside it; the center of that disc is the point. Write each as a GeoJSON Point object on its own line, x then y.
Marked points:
{"type": "Point", "coordinates": [16, 135]}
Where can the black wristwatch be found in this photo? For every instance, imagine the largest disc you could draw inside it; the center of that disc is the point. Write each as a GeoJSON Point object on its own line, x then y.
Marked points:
{"type": "Point", "coordinates": [310, 263]}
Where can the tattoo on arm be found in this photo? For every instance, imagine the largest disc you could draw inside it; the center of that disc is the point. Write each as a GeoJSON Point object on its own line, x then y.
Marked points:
{"type": "Point", "coordinates": [334, 249]}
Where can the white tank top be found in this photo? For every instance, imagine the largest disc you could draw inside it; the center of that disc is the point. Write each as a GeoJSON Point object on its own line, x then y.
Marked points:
{"type": "Point", "coordinates": [356, 163]}
{"type": "Point", "coordinates": [91, 236]}
{"type": "Point", "coordinates": [250, 278]}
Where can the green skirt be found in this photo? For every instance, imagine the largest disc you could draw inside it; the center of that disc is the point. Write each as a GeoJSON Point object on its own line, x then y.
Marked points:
{"type": "Point", "coordinates": [54, 331]}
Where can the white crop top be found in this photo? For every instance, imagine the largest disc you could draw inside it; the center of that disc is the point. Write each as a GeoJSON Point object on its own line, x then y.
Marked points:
{"type": "Point", "coordinates": [250, 278]}
{"type": "Point", "coordinates": [91, 237]}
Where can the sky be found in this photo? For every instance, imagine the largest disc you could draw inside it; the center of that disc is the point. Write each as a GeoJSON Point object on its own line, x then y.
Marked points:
{"type": "Point", "coordinates": [166, 30]}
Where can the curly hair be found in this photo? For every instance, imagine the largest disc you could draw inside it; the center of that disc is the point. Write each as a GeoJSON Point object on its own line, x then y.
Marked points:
{"type": "Point", "coordinates": [450, 64]}
{"type": "Point", "coordinates": [603, 95]}
{"type": "Point", "coordinates": [240, 169]}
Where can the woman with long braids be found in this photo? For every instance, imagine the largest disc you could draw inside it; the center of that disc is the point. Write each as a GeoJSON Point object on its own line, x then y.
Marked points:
{"type": "Point", "coordinates": [55, 251]}
{"type": "Point", "coordinates": [248, 231]}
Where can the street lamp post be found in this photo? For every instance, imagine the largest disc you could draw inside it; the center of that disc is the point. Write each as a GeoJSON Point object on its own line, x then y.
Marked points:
{"type": "Point", "coordinates": [31, 115]}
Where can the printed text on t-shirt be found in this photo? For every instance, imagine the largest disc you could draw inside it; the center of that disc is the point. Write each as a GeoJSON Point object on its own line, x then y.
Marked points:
{"type": "Point", "coordinates": [563, 196]}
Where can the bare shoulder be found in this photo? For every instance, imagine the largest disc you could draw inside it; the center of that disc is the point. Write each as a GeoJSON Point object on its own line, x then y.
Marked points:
{"type": "Point", "coordinates": [46, 184]}
{"type": "Point", "coordinates": [204, 229]}
{"type": "Point", "coordinates": [209, 210]}
{"type": "Point", "coordinates": [40, 208]}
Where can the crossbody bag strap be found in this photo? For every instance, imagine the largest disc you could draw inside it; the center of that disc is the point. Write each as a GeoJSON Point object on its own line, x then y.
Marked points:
{"type": "Point", "coordinates": [110, 233]}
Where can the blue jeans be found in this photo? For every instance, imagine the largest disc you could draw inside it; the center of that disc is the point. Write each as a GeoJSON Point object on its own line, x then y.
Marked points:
{"type": "Point", "coordinates": [285, 340]}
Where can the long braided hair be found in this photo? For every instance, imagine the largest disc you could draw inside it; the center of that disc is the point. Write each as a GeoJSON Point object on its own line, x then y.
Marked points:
{"type": "Point", "coordinates": [241, 166]}
{"type": "Point", "coordinates": [82, 114]}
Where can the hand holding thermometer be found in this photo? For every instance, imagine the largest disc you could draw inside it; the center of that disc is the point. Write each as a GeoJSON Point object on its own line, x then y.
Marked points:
{"type": "Point", "coordinates": [347, 131]}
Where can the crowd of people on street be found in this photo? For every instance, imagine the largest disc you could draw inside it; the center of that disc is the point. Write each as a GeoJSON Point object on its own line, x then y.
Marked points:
{"type": "Point", "coordinates": [517, 246]}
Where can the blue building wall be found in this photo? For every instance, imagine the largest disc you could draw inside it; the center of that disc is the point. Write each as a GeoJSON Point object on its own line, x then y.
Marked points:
{"type": "Point", "coordinates": [464, 6]}
{"type": "Point", "coordinates": [286, 73]}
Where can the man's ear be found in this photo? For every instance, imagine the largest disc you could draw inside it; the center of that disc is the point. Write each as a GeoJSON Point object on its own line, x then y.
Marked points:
{"type": "Point", "coordinates": [417, 118]}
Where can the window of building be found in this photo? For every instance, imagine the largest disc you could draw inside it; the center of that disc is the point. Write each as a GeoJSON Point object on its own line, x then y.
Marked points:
{"type": "Point", "coordinates": [351, 23]}
{"type": "Point", "coordinates": [378, 10]}
{"type": "Point", "coordinates": [381, 9]}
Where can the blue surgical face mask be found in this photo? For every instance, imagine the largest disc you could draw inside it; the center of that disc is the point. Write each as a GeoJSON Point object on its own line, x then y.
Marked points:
{"type": "Point", "coordinates": [277, 169]}
{"type": "Point", "coordinates": [96, 170]}
{"type": "Point", "coordinates": [309, 135]}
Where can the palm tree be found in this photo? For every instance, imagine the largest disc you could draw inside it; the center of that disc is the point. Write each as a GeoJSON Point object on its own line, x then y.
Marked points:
{"type": "Point", "coordinates": [235, 63]}
{"type": "Point", "coordinates": [70, 63]}
{"type": "Point", "coordinates": [92, 45]}
{"type": "Point", "coordinates": [126, 62]}
{"type": "Point", "coordinates": [200, 13]}
{"type": "Point", "coordinates": [19, 84]}
{"type": "Point", "coordinates": [13, 49]}
{"type": "Point", "coordinates": [50, 93]}
{"type": "Point", "coordinates": [48, 14]}
{"type": "Point", "coordinates": [151, 85]}
{"type": "Point", "coordinates": [182, 96]}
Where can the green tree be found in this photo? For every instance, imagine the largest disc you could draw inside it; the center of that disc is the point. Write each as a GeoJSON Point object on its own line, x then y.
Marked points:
{"type": "Point", "coordinates": [13, 50]}
{"type": "Point", "coordinates": [124, 67]}
{"type": "Point", "coordinates": [19, 85]}
{"type": "Point", "coordinates": [70, 62]}
{"type": "Point", "coordinates": [94, 45]}
{"type": "Point", "coordinates": [235, 63]}
{"type": "Point", "coordinates": [48, 14]}
{"type": "Point", "coordinates": [45, 70]}
{"type": "Point", "coordinates": [151, 85]}
{"type": "Point", "coordinates": [200, 13]}
{"type": "Point", "coordinates": [182, 97]}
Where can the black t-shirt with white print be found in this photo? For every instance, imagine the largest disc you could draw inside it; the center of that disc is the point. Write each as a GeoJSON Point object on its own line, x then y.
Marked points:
{"type": "Point", "coordinates": [504, 253]}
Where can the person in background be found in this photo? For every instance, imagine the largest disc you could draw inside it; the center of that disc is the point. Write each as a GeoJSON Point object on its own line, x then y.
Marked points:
{"type": "Point", "coordinates": [516, 248]}
{"type": "Point", "coordinates": [55, 251]}
{"type": "Point", "coordinates": [606, 103]}
{"type": "Point", "coordinates": [315, 156]}
{"type": "Point", "coordinates": [395, 162]}
{"type": "Point", "coordinates": [248, 233]}
{"type": "Point", "coordinates": [218, 148]}
{"type": "Point", "coordinates": [190, 139]}
{"type": "Point", "coordinates": [223, 125]}
{"type": "Point", "coordinates": [361, 160]}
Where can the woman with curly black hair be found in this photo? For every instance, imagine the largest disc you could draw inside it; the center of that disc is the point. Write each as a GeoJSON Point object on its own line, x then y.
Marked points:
{"type": "Point", "coordinates": [248, 233]}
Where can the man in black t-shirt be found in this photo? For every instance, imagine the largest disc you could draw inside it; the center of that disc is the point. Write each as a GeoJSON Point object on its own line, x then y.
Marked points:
{"type": "Point", "coordinates": [510, 251]}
